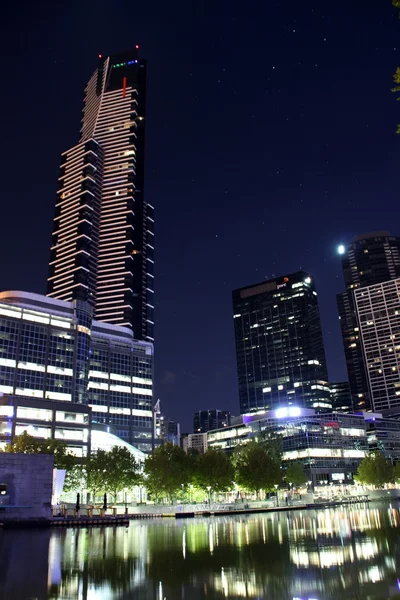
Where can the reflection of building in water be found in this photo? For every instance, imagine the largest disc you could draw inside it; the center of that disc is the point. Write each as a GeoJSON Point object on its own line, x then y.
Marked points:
{"type": "Point", "coordinates": [303, 554]}
{"type": "Point", "coordinates": [330, 446]}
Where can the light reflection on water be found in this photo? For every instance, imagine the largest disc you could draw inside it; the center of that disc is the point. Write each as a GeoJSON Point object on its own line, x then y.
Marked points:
{"type": "Point", "coordinates": [303, 555]}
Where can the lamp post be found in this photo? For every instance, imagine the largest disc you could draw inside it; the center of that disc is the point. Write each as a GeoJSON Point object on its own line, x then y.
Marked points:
{"type": "Point", "coordinates": [277, 497]}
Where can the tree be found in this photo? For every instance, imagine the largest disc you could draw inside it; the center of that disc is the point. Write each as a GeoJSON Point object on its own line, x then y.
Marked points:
{"type": "Point", "coordinates": [166, 470]}
{"type": "Point", "coordinates": [214, 471]}
{"type": "Point", "coordinates": [122, 472]}
{"type": "Point", "coordinates": [375, 470]}
{"type": "Point", "coordinates": [95, 472]}
{"type": "Point", "coordinates": [28, 444]}
{"type": "Point", "coordinates": [295, 474]}
{"type": "Point", "coordinates": [257, 466]}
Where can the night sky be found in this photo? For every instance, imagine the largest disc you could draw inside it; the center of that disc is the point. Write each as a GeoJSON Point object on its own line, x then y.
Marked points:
{"type": "Point", "coordinates": [270, 139]}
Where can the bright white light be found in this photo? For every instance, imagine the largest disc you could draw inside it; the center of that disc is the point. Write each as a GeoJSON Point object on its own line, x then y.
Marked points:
{"type": "Point", "coordinates": [294, 411]}
{"type": "Point", "coordinates": [341, 249]}
{"type": "Point", "coordinates": [280, 413]}
{"type": "Point", "coordinates": [307, 280]}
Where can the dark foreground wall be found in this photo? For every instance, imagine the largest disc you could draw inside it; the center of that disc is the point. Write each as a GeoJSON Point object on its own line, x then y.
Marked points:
{"type": "Point", "coordinates": [28, 479]}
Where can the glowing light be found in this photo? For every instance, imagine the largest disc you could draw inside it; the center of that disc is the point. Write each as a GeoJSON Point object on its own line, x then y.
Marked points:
{"type": "Point", "coordinates": [307, 280]}
{"type": "Point", "coordinates": [100, 56]}
{"type": "Point", "coordinates": [341, 249]}
{"type": "Point", "coordinates": [137, 47]}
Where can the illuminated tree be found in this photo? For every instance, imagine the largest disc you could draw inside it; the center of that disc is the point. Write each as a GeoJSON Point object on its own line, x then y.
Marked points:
{"type": "Point", "coordinates": [375, 470]}
{"type": "Point", "coordinates": [295, 474]}
{"type": "Point", "coordinates": [257, 466]}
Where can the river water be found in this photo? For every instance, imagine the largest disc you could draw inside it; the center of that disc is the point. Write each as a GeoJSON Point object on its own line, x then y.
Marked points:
{"type": "Point", "coordinates": [301, 555]}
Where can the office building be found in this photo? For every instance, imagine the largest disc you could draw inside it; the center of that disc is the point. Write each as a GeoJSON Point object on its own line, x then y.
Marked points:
{"type": "Point", "coordinates": [383, 435]}
{"type": "Point", "coordinates": [54, 350]}
{"type": "Point", "coordinates": [279, 346]}
{"type": "Point", "coordinates": [370, 259]}
{"type": "Point", "coordinates": [68, 422]}
{"type": "Point", "coordinates": [329, 446]}
{"type": "Point", "coordinates": [103, 234]}
{"type": "Point", "coordinates": [194, 441]}
{"type": "Point", "coordinates": [341, 397]}
{"type": "Point", "coordinates": [378, 313]}
{"type": "Point", "coordinates": [204, 420]}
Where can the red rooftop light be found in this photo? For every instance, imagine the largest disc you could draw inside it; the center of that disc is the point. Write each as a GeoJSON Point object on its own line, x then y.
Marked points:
{"type": "Point", "coordinates": [137, 47]}
{"type": "Point", "coordinates": [100, 56]}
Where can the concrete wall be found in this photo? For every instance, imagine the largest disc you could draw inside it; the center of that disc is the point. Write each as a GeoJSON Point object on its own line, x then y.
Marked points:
{"type": "Point", "coordinates": [29, 480]}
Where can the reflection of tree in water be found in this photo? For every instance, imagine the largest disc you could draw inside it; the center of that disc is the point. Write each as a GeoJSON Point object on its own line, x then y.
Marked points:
{"type": "Point", "coordinates": [327, 555]}
{"type": "Point", "coordinates": [115, 573]}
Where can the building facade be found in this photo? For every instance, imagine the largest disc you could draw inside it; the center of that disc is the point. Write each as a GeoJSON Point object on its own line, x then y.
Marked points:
{"type": "Point", "coordinates": [205, 420]}
{"type": "Point", "coordinates": [383, 435]}
{"type": "Point", "coordinates": [341, 396]}
{"type": "Point", "coordinates": [370, 259]}
{"type": "Point", "coordinates": [195, 441]}
{"type": "Point", "coordinates": [329, 446]}
{"type": "Point", "coordinates": [103, 234]}
{"type": "Point", "coordinates": [378, 313]}
{"type": "Point", "coordinates": [279, 346]}
{"type": "Point", "coordinates": [53, 350]}
{"type": "Point", "coordinates": [68, 422]}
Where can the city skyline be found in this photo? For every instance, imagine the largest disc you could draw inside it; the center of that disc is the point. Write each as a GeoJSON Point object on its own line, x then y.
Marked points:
{"type": "Point", "coordinates": [259, 183]}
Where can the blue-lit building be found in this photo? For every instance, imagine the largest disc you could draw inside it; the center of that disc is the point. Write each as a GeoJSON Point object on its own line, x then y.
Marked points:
{"type": "Point", "coordinates": [330, 446]}
{"type": "Point", "coordinates": [53, 350]}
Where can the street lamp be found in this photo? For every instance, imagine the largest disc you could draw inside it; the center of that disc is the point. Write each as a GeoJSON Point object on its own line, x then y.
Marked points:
{"type": "Point", "coordinates": [277, 497]}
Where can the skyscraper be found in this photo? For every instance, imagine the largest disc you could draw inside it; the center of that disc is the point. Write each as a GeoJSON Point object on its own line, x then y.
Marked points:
{"type": "Point", "coordinates": [370, 259]}
{"type": "Point", "coordinates": [279, 346]}
{"type": "Point", "coordinates": [378, 314]}
{"type": "Point", "coordinates": [102, 246]}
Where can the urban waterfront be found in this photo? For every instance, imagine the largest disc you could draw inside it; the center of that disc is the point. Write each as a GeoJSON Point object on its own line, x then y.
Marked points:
{"type": "Point", "coordinates": [300, 555]}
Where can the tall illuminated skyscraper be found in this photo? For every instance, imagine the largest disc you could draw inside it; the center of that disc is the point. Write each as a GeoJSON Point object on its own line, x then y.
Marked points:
{"type": "Point", "coordinates": [370, 259]}
{"type": "Point", "coordinates": [103, 234]}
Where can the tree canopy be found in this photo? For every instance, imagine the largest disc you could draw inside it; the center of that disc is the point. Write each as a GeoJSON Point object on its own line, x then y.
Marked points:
{"type": "Point", "coordinates": [295, 474]}
{"type": "Point", "coordinates": [166, 470]}
{"type": "Point", "coordinates": [122, 471]}
{"type": "Point", "coordinates": [375, 470]}
{"type": "Point", "coordinates": [213, 471]}
{"type": "Point", "coordinates": [28, 444]}
{"type": "Point", "coordinates": [257, 466]}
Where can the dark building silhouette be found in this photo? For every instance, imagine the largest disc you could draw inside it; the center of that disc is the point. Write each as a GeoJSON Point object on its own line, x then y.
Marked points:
{"type": "Point", "coordinates": [341, 397]}
{"type": "Point", "coordinates": [206, 420]}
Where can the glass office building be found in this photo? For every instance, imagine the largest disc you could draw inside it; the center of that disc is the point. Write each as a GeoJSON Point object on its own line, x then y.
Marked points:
{"type": "Point", "coordinates": [68, 422]}
{"type": "Point", "coordinates": [330, 446]}
{"type": "Point", "coordinates": [54, 350]}
{"type": "Point", "coordinates": [369, 259]}
{"type": "Point", "coordinates": [341, 396]}
{"type": "Point", "coordinates": [279, 346]}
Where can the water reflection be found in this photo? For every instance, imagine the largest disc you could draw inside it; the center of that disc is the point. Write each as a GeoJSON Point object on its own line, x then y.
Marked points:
{"type": "Point", "coordinates": [325, 555]}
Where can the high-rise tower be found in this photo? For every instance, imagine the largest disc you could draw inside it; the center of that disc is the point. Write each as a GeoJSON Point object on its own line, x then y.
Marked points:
{"type": "Point", "coordinates": [369, 259]}
{"type": "Point", "coordinates": [279, 346]}
{"type": "Point", "coordinates": [103, 235]}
